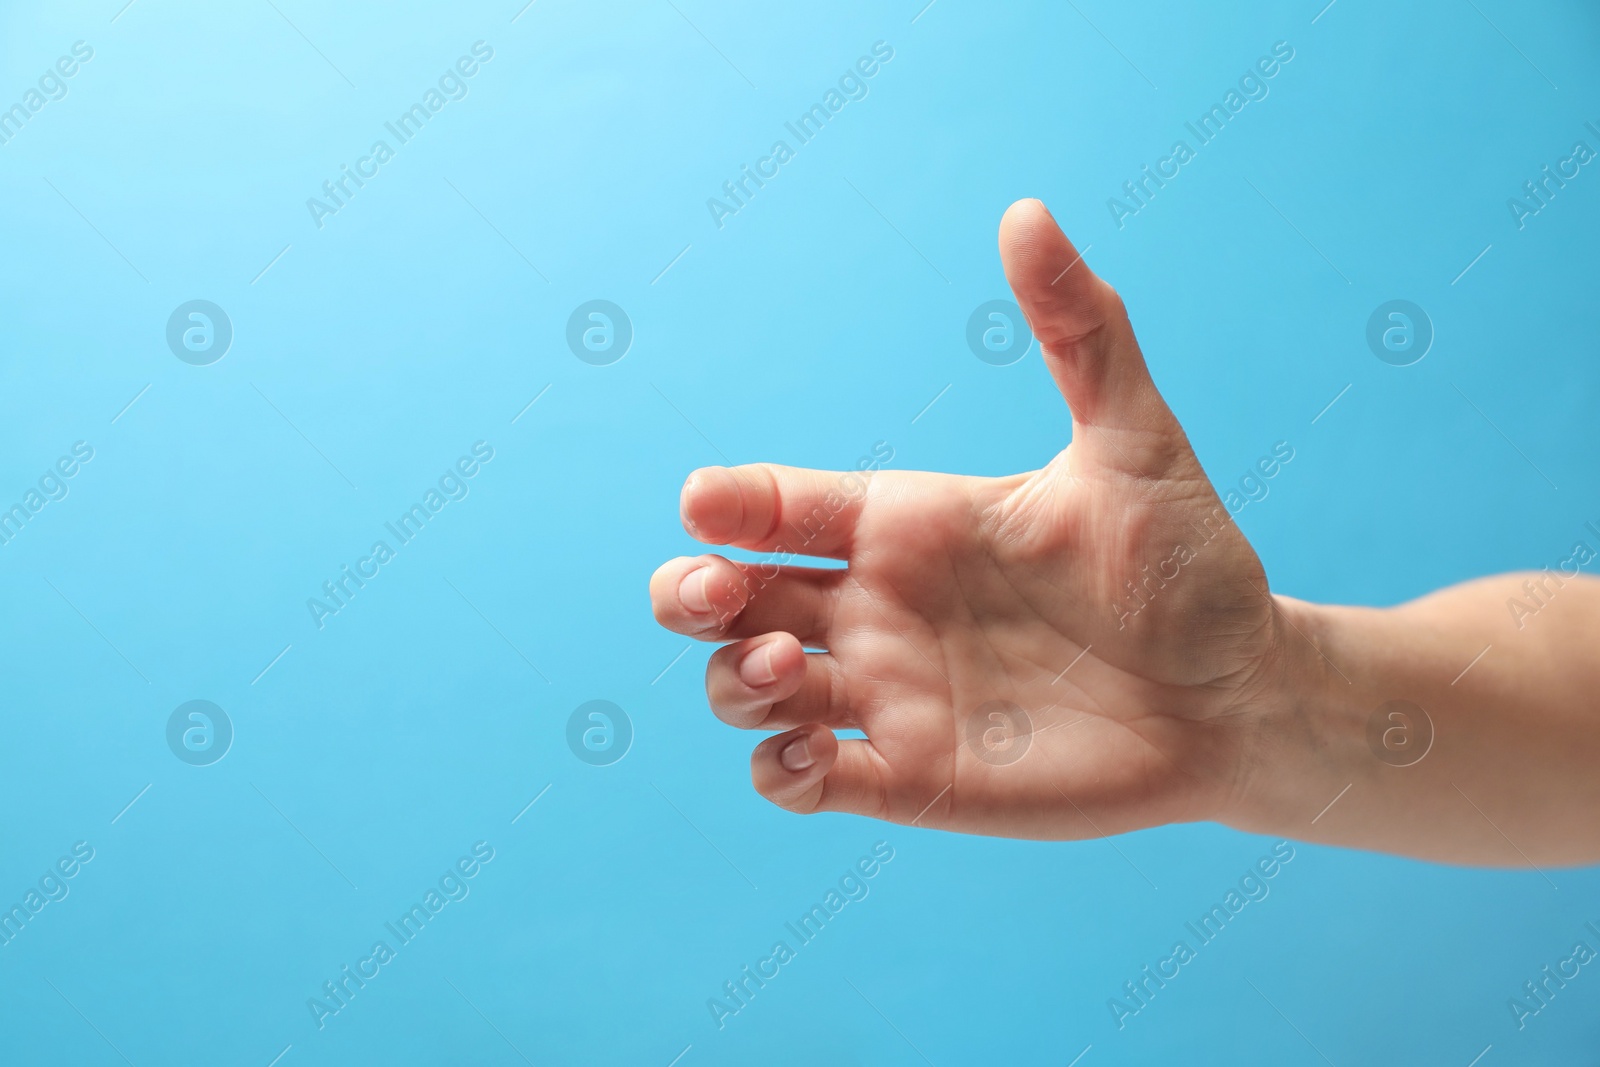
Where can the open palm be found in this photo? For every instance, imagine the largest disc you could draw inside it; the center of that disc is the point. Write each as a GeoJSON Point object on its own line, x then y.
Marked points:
{"type": "Point", "coordinates": [1080, 650]}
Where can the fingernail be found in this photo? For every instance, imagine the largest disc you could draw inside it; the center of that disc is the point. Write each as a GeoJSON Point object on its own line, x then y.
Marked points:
{"type": "Point", "coordinates": [693, 591]}
{"type": "Point", "coordinates": [755, 669]}
{"type": "Point", "coordinates": [796, 755]}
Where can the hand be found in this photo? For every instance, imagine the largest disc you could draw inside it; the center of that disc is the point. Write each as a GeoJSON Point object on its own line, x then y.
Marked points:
{"type": "Point", "coordinates": [1108, 596]}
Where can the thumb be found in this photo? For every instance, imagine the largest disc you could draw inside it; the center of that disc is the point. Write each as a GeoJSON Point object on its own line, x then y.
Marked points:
{"type": "Point", "coordinates": [1088, 344]}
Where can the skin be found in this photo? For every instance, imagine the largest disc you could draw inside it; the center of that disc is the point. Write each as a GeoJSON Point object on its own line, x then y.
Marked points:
{"type": "Point", "coordinates": [1110, 597]}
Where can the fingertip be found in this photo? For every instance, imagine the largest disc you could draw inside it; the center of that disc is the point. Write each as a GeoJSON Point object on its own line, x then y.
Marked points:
{"type": "Point", "coordinates": [788, 768]}
{"type": "Point", "coordinates": [695, 595]}
{"type": "Point", "coordinates": [663, 590]}
{"type": "Point", "coordinates": [709, 505]}
{"type": "Point", "coordinates": [785, 663]}
{"type": "Point", "coordinates": [1022, 227]}
{"type": "Point", "coordinates": [745, 679]}
{"type": "Point", "coordinates": [1082, 328]}
{"type": "Point", "coordinates": [1026, 209]}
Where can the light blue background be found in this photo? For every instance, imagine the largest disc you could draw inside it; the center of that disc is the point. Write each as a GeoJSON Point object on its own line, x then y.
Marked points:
{"type": "Point", "coordinates": [806, 329]}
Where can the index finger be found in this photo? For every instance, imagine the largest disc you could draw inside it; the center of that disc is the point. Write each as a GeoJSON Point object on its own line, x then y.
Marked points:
{"type": "Point", "coordinates": [768, 508]}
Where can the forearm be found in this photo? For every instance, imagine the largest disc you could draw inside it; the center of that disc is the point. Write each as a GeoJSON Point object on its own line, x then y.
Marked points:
{"type": "Point", "coordinates": [1512, 774]}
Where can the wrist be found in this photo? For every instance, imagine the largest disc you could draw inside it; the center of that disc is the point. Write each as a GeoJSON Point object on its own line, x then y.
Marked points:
{"type": "Point", "coordinates": [1307, 740]}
